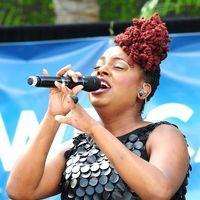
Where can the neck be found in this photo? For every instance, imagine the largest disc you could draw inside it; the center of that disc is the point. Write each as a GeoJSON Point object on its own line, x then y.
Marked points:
{"type": "Point", "coordinates": [121, 122]}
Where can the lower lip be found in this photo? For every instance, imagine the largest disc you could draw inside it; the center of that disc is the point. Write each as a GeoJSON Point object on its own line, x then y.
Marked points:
{"type": "Point", "coordinates": [100, 91]}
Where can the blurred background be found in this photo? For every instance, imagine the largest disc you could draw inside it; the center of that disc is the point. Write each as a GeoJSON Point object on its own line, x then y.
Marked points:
{"type": "Point", "coordinates": [37, 34]}
{"type": "Point", "coordinates": [36, 12]}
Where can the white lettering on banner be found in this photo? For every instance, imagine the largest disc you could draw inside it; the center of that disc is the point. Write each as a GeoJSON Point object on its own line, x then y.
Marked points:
{"type": "Point", "coordinates": [197, 156]}
{"type": "Point", "coordinates": [28, 123]}
{"type": "Point", "coordinates": [167, 110]}
{"type": "Point", "coordinates": [191, 151]}
{"type": "Point", "coordinates": [26, 128]}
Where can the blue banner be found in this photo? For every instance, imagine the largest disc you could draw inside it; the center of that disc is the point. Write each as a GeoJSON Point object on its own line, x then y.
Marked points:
{"type": "Point", "coordinates": [22, 106]}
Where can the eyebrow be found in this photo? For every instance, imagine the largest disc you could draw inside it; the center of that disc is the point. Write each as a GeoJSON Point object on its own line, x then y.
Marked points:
{"type": "Point", "coordinates": [115, 58]}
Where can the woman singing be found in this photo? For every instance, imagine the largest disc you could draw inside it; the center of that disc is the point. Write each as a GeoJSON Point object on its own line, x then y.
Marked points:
{"type": "Point", "coordinates": [122, 156]}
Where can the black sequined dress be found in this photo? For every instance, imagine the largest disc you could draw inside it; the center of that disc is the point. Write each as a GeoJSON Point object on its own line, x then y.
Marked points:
{"type": "Point", "coordinates": [89, 174]}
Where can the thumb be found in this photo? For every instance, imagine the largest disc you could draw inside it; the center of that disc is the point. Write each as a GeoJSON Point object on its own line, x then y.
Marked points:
{"type": "Point", "coordinates": [63, 119]}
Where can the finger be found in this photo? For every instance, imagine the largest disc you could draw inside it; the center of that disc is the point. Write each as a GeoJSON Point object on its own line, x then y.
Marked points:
{"type": "Point", "coordinates": [63, 119]}
{"type": "Point", "coordinates": [72, 104]}
{"type": "Point", "coordinates": [77, 89]}
{"type": "Point", "coordinates": [45, 72]}
{"type": "Point", "coordinates": [65, 89]}
{"type": "Point", "coordinates": [58, 85]}
{"type": "Point", "coordinates": [63, 70]}
{"type": "Point", "coordinates": [62, 88]}
{"type": "Point", "coordinates": [72, 74]}
{"type": "Point", "coordinates": [79, 74]}
{"type": "Point", "coordinates": [56, 89]}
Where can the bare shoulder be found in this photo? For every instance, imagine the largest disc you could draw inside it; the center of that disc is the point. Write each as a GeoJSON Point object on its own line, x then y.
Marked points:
{"type": "Point", "coordinates": [166, 134]}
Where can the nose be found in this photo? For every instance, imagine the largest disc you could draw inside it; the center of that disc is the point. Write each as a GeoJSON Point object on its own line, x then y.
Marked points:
{"type": "Point", "coordinates": [103, 70]}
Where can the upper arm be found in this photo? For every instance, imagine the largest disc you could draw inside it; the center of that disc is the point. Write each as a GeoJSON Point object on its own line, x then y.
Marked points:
{"type": "Point", "coordinates": [168, 152]}
{"type": "Point", "coordinates": [49, 184]}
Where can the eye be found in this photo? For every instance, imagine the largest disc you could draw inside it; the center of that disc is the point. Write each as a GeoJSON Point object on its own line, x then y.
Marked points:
{"type": "Point", "coordinates": [118, 67]}
{"type": "Point", "coordinates": [96, 67]}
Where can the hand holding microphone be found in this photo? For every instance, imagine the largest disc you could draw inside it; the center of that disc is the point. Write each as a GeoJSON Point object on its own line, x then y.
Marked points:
{"type": "Point", "coordinates": [58, 98]}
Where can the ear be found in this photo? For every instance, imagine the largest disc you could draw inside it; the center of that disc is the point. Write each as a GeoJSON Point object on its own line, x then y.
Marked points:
{"type": "Point", "coordinates": [145, 91]}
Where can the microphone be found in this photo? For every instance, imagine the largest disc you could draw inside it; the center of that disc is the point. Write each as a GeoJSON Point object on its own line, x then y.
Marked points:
{"type": "Point", "coordinates": [89, 83]}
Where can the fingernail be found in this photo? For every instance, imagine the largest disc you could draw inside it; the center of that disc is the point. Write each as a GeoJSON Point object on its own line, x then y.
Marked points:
{"type": "Point", "coordinates": [69, 66]}
{"type": "Point", "coordinates": [58, 117]}
{"type": "Point", "coordinates": [75, 79]}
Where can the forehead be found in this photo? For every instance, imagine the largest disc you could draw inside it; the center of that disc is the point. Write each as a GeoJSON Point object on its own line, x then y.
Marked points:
{"type": "Point", "coordinates": [115, 51]}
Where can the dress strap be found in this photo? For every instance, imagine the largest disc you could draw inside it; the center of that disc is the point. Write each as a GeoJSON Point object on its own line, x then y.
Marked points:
{"type": "Point", "coordinates": [164, 122]}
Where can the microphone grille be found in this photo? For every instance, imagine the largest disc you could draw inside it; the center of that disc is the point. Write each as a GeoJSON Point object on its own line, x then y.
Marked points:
{"type": "Point", "coordinates": [93, 83]}
{"type": "Point", "coordinates": [32, 80]}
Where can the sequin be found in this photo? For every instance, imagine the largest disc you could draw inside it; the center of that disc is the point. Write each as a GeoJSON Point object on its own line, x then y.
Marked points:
{"type": "Point", "coordinates": [138, 145]}
{"type": "Point", "coordinates": [76, 168]}
{"type": "Point", "coordinates": [137, 152]}
{"type": "Point", "coordinates": [73, 183]}
{"type": "Point", "coordinates": [104, 165]}
{"type": "Point", "coordinates": [133, 137]}
{"type": "Point", "coordinates": [103, 180]}
{"type": "Point", "coordinates": [95, 167]}
{"type": "Point", "coordinates": [106, 172]}
{"type": "Point", "coordinates": [96, 174]}
{"type": "Point", "coordinates": [93, 181]}
{"type": "Point", "coordinates": [80, 192]}
{"type": "Point", "coordinates": [99, 189]}
{"type": "Point", "coordinates": [86, 175]}
{"type": "Point", "coordinates": [91, 159]}
{"type": "Point", "coordinates": [109, 187]}
{"type": "Point", "coordinates": [76, 175]}
{"type": "Point", "coordinates": [114, 177]}
{"type": "Point", "coordinates": [129, 145]}
{"type": "Point", "coordinates": [83, 182]}
{"type": "Point", "coordinates": [85, 169]}
{"type": "Point", "coordinates": [90, 190]}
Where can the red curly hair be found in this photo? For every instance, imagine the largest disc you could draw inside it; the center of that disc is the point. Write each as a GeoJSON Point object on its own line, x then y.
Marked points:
{"type": "Point", "coordinates": [146, 42]}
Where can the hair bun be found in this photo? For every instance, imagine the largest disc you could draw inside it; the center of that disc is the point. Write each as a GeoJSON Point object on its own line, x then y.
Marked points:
{"type": "Point", "coordinates": [146, 42]}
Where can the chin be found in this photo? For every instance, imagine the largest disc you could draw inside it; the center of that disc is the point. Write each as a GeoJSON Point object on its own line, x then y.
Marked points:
{"type": "Point", "coordinates": [97, 102]}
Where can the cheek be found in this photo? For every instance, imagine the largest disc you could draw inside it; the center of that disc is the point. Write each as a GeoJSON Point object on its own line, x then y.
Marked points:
{"type": "Point", "coordinates": [128, 87]}
{"type": "Point", "coordinates": [128, 83]}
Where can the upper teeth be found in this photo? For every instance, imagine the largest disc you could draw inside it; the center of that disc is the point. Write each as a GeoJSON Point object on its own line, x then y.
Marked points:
{"type": "Point", "coordinates": [104, 84]}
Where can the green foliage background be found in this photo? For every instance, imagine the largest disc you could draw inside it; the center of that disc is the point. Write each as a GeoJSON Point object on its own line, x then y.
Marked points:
{"type": "Point", "coordinates": [128, 9]}
{"type": "Point", "coordinates": [26, 12]}
{"type": "Point", "coordinates": [34, 12]}
{"type": "Point", "coordinates": [172, 8]}
{"type": "Point", "coordinates": [120, 9]}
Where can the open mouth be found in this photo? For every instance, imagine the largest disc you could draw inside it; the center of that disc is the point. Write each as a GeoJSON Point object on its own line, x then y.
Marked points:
{"type": "Point", "coordinates": [105, 84]}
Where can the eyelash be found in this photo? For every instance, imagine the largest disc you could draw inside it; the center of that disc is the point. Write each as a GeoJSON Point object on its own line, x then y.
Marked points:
{"type": "Point", "coordinates": [97, 67]}
{"type": "Point", "coordinates": [118, 67]}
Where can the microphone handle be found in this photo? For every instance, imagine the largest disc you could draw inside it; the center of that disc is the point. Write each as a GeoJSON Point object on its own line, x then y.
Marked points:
{"type": "Point", "coordinates": [48, 81]}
